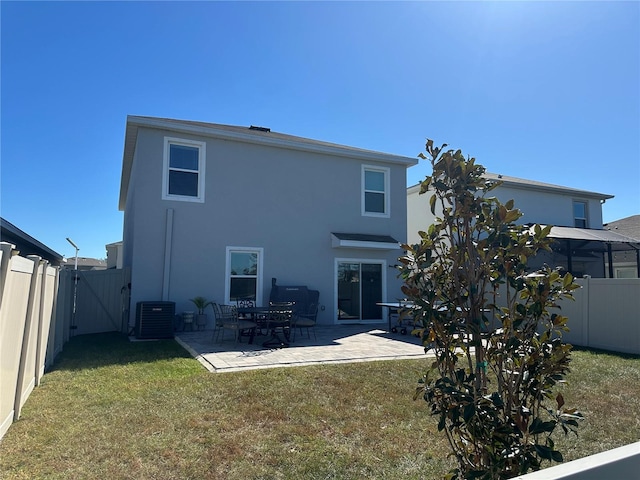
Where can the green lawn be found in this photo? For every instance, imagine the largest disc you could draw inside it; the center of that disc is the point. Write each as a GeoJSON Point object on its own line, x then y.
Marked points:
{"type": "Point", "coordinates": [112, 409]}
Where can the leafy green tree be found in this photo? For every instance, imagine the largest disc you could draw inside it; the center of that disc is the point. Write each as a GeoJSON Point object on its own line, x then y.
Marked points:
{"type": "Point", "coordinates": [493, 325]}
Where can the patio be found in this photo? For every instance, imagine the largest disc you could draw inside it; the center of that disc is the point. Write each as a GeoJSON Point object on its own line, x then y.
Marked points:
{"type": "Point", "coordinates": [334, 344]}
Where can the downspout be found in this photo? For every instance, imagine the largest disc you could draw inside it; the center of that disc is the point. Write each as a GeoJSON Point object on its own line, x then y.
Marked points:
{"type": "Point", "coordinates": [168, 241]}
{"type": "Point", "coordinates": [569, 262]}
{"type": "Point", "coordinates": [610, 258]}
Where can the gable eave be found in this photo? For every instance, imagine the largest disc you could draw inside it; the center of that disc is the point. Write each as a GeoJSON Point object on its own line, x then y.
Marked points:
{"type": "Point", "coordinates": [515, 182]}
{"type": "Point", "coordinates": [244, 135]}
{"type": "Point", "coordinates": [130, 139]}
{"type": "Point", "coordinates": [519, 183]}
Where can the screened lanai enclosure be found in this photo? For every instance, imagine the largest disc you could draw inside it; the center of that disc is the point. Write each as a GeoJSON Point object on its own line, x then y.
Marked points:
{"type": "Point", "coordinates": [597, 253]}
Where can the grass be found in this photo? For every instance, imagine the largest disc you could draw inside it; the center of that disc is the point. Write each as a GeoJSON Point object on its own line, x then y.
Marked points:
{"type": "Point", "coordinates": [114, 409]}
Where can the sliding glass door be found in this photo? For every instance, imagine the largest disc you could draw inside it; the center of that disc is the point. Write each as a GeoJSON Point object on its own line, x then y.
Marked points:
{"type": "Point", "coordinates": [359, 287]}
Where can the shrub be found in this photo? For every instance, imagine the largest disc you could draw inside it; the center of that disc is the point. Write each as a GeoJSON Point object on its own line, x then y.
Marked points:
{"type": "Point", "coordinates": [493, 389]}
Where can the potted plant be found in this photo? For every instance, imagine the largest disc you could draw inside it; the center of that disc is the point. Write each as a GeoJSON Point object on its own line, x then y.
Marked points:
{"type": "Point", "coordinates": [201, 303]}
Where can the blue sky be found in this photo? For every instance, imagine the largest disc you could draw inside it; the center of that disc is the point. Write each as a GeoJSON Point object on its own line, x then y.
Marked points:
{"type": "Point", "coordinates": [548, 91]}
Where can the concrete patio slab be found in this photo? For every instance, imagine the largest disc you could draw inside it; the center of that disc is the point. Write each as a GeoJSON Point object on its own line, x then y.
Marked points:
{"type": "Point", "coordinates": [333, 344]}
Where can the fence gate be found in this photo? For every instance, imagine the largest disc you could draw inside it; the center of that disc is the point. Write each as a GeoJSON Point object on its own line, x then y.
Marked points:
{"type": "Point", "coordinates": [101, 300]}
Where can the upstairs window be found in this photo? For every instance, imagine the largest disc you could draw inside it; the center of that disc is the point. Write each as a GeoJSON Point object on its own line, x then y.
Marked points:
{"type": "Point", "coordinates": [580, 214]}
{"type": "Point", "coordinates": [375, 191]}
{"type": "Point", "coordinates": [183, 175]}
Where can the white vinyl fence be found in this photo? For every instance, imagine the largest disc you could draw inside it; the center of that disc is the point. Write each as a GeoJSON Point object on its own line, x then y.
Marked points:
{"type": "Point", "coordinates": [28, 288]}
{"type": "Point", "coordinates": [37, 317]}
{"type": "Point", "coordinates": [605, 314]}
{"type": "Point", "coordinates": [101, 300]}
{"type": "Point", "coordinates": [619, 463]}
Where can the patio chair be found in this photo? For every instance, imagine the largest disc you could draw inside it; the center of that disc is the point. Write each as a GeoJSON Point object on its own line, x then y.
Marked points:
{"type": "Point", "coordinates": [245, 303]}
{"type": "Point", "coordinates": [227, 319]}
{"type": "Point", "coordinates": [279, 320]}
{"type": "Point", "coordinates": [305, 320]}
{"type": "Point", "coordinates": [258, 317]}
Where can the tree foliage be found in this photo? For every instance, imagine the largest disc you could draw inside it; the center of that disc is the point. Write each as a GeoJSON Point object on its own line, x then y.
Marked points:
{"type": "Point", "coordinates": [494, 327]}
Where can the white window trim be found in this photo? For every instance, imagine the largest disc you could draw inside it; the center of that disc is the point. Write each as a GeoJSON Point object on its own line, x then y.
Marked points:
{"type": "Point", "coordinates": [619, 270]}
{"type": "Point", "coordinates": [202, 155]}
{"type": "Point", "coordinates": [586, 212]}
{"type": "Point", "coordinates": [379, 261]}
{"type": "Point", "coordinates": [387, 194]}
{"type": "Point", "coordinates": [227, 272]}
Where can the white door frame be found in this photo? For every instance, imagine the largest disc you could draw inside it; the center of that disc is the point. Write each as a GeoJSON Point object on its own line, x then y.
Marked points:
{"type": "Point", "coordinates": [383, 264]}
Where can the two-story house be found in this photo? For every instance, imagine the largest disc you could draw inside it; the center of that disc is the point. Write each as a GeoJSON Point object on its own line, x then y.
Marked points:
{"type": "Point", "coordinates": [581, 245]}
{"type": "Point", "coordinates": [219, 211]}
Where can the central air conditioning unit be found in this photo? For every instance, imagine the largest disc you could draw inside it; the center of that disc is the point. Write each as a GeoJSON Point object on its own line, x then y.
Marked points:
{"type": "Point", "coordinates": [155, 319]}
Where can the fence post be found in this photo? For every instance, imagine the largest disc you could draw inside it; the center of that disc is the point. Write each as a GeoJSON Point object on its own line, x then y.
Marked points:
{"type": "Point", "coordinates": [17, 404]}
{"type": "Point", "coordinates": [53, 326]}
{"type": "Point", "coordinates": [6, 249]}
{"type": "Point", "coordinates": [7, 372]}
{"type": "Point", "coordinates": [68, 305]}
{"type": "Point", "coordinates": [125, 300]}
{"type": "Point", "coordinates": [39, 369]}
{"type": "Point", "coordinates": [585, 311]}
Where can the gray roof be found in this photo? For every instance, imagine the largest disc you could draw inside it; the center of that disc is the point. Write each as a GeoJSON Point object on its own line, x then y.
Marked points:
{"type": "Point", "coordinates": [86, 263]}
{"type": "Point", "coordinates": [591, 234]}
{"type": "Point", "coordinates": [256, 135]}
{"type": "Point", "coordinates": [516, 182]}
{"type": "Point", "coordinates": [26, 244]}
{"type": "Point", "coordinates": [532, 184]}
{"type": "Point", "coordinates": [363, 237]}
{"type": "Point", "coordinates": [261, 132]}
{"type": "Point", "coordinates": [629, 226]}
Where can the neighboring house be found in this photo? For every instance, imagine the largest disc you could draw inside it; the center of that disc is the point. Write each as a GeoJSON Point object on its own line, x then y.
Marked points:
{"type": "Point", "coordinates": [629, 226]}
{"type": "Point", "coordinates": [85, 263]}
{"type": "Point", "coordinates": [26, 244]}
{"type": "Point", "coordinates": [114, 254]}
{"type": "Point", "coordinates": [625, 263]}
{"type": "Point", "coordinates": [219, 211]}
{"type": "Point", "coordinates": [581, 244]}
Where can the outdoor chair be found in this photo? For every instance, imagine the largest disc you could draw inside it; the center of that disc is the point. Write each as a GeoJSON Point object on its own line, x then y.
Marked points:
{"type": "Point", "coordinates": [245, 303]}
{"type": "Point", "coordinates": [279, 321]}
{"type": "Point", "coordinates": [305, 320]}
{"type": "Point", "coordinates": [258, 318]}
{"type": "Point", "coordinates": [227, 319]}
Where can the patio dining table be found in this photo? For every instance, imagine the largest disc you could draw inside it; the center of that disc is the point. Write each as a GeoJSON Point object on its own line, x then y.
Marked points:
{"type": "Point", "coordinates": [262, 317]}
{"type": "Point", "coordinates": [394, 309]}
{"type": "Point", "coordinates": [253, 311]}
